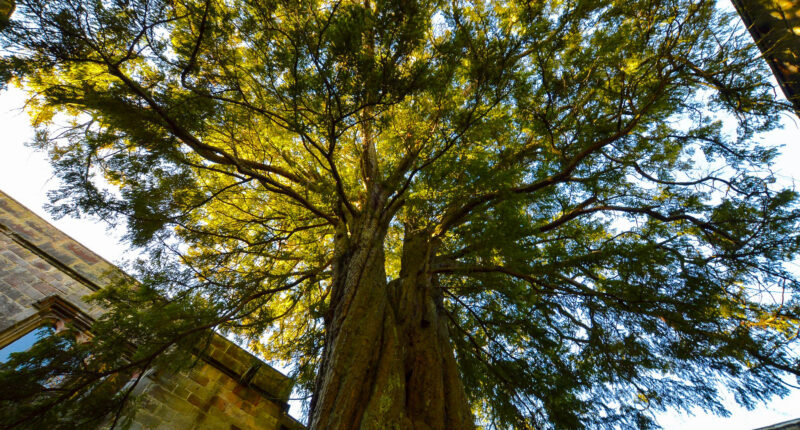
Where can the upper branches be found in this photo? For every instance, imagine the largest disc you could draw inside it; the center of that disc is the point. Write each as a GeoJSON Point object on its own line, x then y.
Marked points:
{"type": "Point", "coordinates": [588, 211]}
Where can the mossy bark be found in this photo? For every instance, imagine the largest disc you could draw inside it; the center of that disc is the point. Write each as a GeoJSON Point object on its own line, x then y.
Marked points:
{"type": "Point", "coordinates": [775, 27]}
{"type": "Point", "coordinates": [388, 362]}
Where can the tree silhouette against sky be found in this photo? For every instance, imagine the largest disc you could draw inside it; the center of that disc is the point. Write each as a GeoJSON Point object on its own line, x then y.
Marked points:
{"type": "Point", "coordinates": [440, 214]}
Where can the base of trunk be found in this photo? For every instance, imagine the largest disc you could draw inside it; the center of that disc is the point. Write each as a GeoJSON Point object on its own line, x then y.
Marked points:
{"type": "Point", "coordinates": [388, 362]}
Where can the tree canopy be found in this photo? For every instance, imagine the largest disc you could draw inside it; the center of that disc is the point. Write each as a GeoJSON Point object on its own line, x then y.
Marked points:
{"type": "Point", "coordinates": [561, 206]}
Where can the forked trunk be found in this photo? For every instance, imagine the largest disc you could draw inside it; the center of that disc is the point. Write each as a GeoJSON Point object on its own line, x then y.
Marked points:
{"type": "Point", "coordinates": [388, 362]}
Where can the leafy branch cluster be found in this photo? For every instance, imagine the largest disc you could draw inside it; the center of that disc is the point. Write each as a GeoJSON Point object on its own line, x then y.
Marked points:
{"type": "Point", "coordinates": [603, 248]}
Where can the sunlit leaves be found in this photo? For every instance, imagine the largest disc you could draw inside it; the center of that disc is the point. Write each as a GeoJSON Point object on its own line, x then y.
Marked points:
{"type": "Point", "coordinates": [606, 246]}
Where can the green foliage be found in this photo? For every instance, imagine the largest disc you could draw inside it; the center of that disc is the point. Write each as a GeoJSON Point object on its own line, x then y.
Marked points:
{"type": "Point", "coordinates": [81, 380]}
{"type": "Point", "coordinates": [605, 249]}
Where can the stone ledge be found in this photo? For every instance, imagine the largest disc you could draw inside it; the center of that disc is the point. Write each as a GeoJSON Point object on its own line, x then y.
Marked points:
{"type": "Point", "coordinates": [55, 247]}
{"type": "Point", "coordinates": [248, 369]}
{"type": "Point", "coordinates": [786, 425]}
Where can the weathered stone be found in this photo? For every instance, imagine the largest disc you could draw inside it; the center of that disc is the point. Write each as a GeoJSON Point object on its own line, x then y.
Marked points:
{"type": "Point", "coordinates": [225, 390]}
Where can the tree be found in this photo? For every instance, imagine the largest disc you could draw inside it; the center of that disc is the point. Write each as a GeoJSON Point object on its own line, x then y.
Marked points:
{"type": "Point", "coordinates": [509, 214]}
{"type": "Point", "coordinates": [772, 24]}
{"type": "Point", "coordinates": [6, 10]}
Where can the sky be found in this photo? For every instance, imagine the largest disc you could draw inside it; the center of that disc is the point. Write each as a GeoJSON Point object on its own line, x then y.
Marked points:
{"type": "Point", "coordinates": [26, 176]}
{"type": "Point", "coordinates": [23, 343]}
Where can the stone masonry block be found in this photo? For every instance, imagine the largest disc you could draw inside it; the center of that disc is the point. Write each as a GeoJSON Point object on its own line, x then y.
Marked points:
{"type": "Point", "coordinates": [229, 388]}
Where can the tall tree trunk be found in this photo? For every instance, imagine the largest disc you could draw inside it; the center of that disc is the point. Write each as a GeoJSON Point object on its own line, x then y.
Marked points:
{"type": "Point", "coordinates": [388, 362]}
{"type": "Point", "coordinates": [775, 27]}
{"type": "Point", "coordinates": [6, 10]}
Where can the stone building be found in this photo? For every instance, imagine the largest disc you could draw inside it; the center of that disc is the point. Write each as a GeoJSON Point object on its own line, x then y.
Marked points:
{"type": "Point", "coordinates": [44, 274]}
{"type": "Point", "coordinates": [786, 425]}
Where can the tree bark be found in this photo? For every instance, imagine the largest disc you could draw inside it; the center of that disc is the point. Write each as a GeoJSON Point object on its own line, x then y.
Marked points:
{"type": "Point", "coordinates": [7, 8]}
{"type": "Point", "coordinates": [388, 362]}
{"type": "Point", "coordinates": [775, 27]}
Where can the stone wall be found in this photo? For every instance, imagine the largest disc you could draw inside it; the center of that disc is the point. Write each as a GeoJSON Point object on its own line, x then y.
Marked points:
{"type": "Point", "coordinates": [786, 425]}
{"type": "Point", "coordinates": [44, 274]}
{"type": "Point", "coordinates": [227, 389]}
{"type": "Point", "coordinates": [37, 261]}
